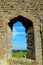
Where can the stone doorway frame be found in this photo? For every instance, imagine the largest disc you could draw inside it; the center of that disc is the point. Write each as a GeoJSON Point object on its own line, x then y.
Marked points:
{"type": "Point", "coordinates": [29, 29]}
{"type": "Point", "coordinates": [37, 36]}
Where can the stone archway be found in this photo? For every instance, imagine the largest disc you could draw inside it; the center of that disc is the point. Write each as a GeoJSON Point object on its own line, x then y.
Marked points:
{"type": "Point", "coordinates": [8, 45]}
{"type": "Point", "coordinates": [29, 34]}
{"type": "Point", "coordinates": [37, 38]}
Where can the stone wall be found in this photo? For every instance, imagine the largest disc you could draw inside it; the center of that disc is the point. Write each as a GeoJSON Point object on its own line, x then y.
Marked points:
{"type": "Point", "coordinates": [30, 9]}
{"type": "Point", "coordinates": [30, 43]}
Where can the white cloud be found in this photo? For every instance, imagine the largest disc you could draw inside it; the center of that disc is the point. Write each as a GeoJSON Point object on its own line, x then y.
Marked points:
{"type": "Point", "coordinates": [15, 33]}
{"type": "Point", "coordinates": [14, 30]}
{"type": "Point", "coordinates": [19, 27]}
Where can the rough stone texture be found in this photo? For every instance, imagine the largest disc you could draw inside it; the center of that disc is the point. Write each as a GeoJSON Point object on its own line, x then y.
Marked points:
{"type": "Point", "coordinates": [30, 44]}
{"type": "Point", "coordinates": [41, 32]}
{"type": "Point", "coordinates": [21, 61]}
{"type": "Point", "coordinates": [33, 10]}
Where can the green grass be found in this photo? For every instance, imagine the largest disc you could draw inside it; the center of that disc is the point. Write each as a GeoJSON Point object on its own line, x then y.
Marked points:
{"type": "Point", "coordinates": [18, 53]}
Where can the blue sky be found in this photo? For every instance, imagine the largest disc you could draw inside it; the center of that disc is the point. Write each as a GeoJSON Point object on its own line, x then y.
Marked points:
{"type": "Point", "coordinates": [18, 37]}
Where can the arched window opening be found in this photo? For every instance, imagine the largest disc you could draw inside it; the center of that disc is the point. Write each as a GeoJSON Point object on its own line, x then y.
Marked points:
{"type": "Point", "coordinates": [19, 45]}
{"type": "Point", "coordinates": [29, 30]}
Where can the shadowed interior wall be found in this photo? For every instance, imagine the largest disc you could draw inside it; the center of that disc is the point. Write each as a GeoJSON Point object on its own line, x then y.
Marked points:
{"type": "Point", "coordinates": [30, 43]}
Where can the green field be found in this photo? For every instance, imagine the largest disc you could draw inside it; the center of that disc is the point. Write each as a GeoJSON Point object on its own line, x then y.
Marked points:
{"type": "Point", "coordinates": [19, 53]}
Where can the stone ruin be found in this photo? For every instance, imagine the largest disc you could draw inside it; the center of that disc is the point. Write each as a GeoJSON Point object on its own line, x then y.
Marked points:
{"type": "Point", "coordinates": [29, 11]}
